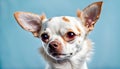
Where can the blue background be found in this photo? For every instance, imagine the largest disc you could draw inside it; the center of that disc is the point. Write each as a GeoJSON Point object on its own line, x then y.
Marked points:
{"type": "Point", "coordinates": [20, 50]}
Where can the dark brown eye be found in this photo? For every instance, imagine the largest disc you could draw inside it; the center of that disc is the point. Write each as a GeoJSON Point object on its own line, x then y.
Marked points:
{"type": "Point", "coordinates": [71, 35]}
{"type": "Point", "coordinates": [45, 37]}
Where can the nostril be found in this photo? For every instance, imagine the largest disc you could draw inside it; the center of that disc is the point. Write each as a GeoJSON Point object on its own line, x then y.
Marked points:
{"type": "Point", "coordinates": [55, 45]}
{"type": "Point", "coordinates": [50, 46]}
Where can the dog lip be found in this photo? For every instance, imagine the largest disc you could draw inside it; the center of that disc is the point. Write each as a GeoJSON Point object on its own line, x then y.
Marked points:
{"type": "Point", "coordinates": [57, 54]}
{"type": "Point", "coordinates": [61, 54]}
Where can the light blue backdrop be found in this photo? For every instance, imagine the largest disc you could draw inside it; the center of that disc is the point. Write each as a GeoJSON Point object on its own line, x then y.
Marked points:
{"type": "Point", "coordinates": [20, 50]}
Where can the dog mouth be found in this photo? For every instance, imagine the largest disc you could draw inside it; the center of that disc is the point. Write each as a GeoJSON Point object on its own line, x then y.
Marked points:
{"type": "Point", "coordinates": [57, 54]}
{"type": "Point", "coordinates": [60, 56]}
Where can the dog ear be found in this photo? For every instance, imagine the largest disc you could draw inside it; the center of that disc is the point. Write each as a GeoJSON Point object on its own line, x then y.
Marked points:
{"type": "Point", "coordinates": [90, 15]}
{"type": "Point", "coordinates": [30, 22]}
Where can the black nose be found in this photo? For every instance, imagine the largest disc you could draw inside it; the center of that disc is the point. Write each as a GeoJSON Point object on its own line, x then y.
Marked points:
{"type": "Point", "coordinates": [53, 45]}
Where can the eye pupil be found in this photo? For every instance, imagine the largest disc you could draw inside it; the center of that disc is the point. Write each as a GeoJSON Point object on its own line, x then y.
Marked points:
{"type": "Point", "coordinates": [45, 36]}
{"type": "Point", "coordinates": [70, 34]}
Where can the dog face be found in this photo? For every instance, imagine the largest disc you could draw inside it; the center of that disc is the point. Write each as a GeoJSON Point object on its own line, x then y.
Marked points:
{"type": "Point", "coordinates": [63, 36]}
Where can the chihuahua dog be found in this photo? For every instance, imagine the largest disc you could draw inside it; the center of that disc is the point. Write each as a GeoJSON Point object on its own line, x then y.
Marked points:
{"type": "Point", "coordinates": [64, 38]}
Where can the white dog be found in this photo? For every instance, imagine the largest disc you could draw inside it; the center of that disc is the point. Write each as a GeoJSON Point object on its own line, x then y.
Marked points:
{"type": "Point", "coordinates": [64, 38]}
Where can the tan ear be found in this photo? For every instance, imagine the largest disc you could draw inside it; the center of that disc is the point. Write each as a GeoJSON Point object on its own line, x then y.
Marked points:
{"type": "Point", "coordinates": [30, 22]}
{"type": "Point", "coordinates": [90, 15]}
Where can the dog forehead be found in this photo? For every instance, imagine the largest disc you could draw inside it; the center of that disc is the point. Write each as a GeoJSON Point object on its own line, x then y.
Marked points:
{"type": "Point", "coordinates": [62, 25]}
{"type": "Point", "coordinates": [62, 21]}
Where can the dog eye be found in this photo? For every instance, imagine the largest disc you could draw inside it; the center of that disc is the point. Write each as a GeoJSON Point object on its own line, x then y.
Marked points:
{"type": "Point", "coordinates": [71, 35]}
{"type": "Point", "coordinates": [45, 37]}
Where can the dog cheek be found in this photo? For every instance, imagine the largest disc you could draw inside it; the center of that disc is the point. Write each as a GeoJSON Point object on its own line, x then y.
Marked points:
{"type": "Point", "coordinates": [78, 44]}
{"type": "Point", "coordinates": [44, 45]}
{"type": "Point", "coordinates": [74, 48]}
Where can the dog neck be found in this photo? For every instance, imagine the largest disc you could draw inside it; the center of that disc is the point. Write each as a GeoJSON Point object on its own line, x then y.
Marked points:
{"type": "Point", "coordinates": [78, 61]}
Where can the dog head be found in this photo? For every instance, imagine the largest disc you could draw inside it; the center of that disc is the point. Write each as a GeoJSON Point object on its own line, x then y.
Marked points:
{"type": "Point", "coordinates": [62, 36]}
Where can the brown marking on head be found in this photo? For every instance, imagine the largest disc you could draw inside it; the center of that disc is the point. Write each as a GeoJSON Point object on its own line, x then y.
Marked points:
{"type": "Point", "coordinates": [78, 28]}
{"type": "Point", "coordinates": [66, 19]}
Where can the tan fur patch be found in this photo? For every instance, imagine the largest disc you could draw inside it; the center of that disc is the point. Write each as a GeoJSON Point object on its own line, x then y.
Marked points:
{"type": "Point", "coordinates": [42, 17]}
{"type": "Point", "coordinates": [78, 13]}
{"type": "Point", "coordinates": [35, 34]}
{"type": "Point", "coordinates": [78, 29]}
{"type": "Point", "coordinates": [66, 19]}
{"type": "Point", "coordinates": [64, 41]}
